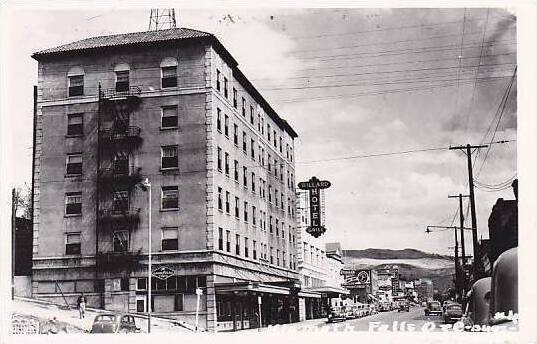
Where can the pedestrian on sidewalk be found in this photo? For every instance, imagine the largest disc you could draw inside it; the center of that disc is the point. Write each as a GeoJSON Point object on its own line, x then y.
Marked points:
{"type": "Point", "coordinates": [82, 305]}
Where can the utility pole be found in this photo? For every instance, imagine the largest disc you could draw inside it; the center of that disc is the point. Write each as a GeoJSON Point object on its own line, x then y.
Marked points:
{"type": "Point", "coordinates": [477, 259]}
{"type": "Point", "coordinates": [463, 251]}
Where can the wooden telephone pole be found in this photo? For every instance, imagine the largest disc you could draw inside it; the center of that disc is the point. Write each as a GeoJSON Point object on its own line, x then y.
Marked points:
{"type": "Point", "coordinates": [463, 251]}
{"type": "Point", "coordinates": [477, 258]}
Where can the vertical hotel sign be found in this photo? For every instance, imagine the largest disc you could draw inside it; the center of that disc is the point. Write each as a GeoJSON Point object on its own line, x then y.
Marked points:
{"type": "Point", "coordinates": [314, 186]}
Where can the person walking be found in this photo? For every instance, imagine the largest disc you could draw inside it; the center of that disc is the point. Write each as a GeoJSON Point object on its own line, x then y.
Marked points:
{"type": "Point", "coordinates": [82, 305]}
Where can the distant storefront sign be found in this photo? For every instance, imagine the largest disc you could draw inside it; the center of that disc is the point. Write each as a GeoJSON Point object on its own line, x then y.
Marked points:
{"type": "Point", "coordinates": [314, 186]}
{"type": "Point", "coordinates": [357, 277]}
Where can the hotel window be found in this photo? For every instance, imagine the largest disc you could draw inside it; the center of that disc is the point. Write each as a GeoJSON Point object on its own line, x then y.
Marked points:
{"type": "Point", "coordinates": [253, 215]}
{"type": "Point", "coordinates": [168, 69]}
{"type": "Point", "coordinates": [236, 134]}
{"type": "Point", "coordinates": [225, 87]}
{"type": "Point", "coordinates": [120, 202]}
{"type": "Point", "coordinates": [258, 122]}
{"type": "Point", "coordinates": [252, 149]}
{"type": "Point", "coordinates": [251, 115]}
{"type": "Point", "coordinates": [75, 124]}
{"type": "Point", "coordinates": [226, 163]}
{"type": "Point", "coordinates": [245, 176]}
{"type": "Point", "coordinates": [281, 151]}
{"type": "Point", "coordinates": [219, 159]}
{"type": "Point", "coordinates": [219, 198]}
{"type": "Point", "coordinates": [244, 142]}
{"type": "Point", "coordinates": [287, 150]}
{"type": "Point", "coordinates": [75, 78]}
{"type": "Point", "coordinates": [253, 182]}
{"type": "Point", "coordinates": [283, 230]}
{"type": "Point", "coordinates": [122, 77]}
{"type": "Point", "coordinates": [277, 227]}
{"type": "Point", "coordinates": [234, 98]}
{"type": "Point", "coordinates": [246, 247]}
{"type": "Point", "coordinates": [271, 255]}
{"type": "Point", "coordinates": [268, 131]}
{"type": "Point", "coordinates": [288, 205]}
{"type": "Point", "coordinates": [268, 161]}
{"type": "Point", "coordinates": [121, 241]}
{"type": "Point", "coordinates": [270, 224]}
{"type": "Point", "coordinates": [218, 76]}
{"type": "Point", "coordinates": [291, 154]}
{"type": "Point", "coordinates": [73, 203]}
{"type": "Point", "coordinates": [169, 157]}
{"type": "Point", "coordinates": [243, 107]}
{"type": "Point", "coordinates": [73, 164]}
{"type": "Point", "coordinates": [170, 239]}
{"type": "Point", "coordinates": [237, 244]}
{"type": "Point", "coordinates": [246, 211]}
{"type": "Point", "coordinates": [228, 241]}
{"type": "Point", "coordinates": [260, 187]}
{"type": "Point", "coordinates": [264, 187]}
{"type": "Point", "coordinates": [254, 250]}
{"type": "Point", "coordinates": [170, 197]}
{"type": "Point", "coordinates": [227, 202]}
{"type": "Point", "coordinates": [281, 201]}
{"type": "Point", "coordinates": [274, 137]}
{"type": "Point", "coordinates": [72, 243]}
{"type": "Point", "coordinates": [170, 118]}
{"type": "Point", "coordinates": [262, 157]}
{"type": "Point", "coordinates": [237, 207]}
{"type": "Point", "coordinates": [236, 170]}
{"type": "Point", "coordinates": [283, 258]}
{"type": "Point", "coordinates": [270, 193]}
{"type": "Point", "coordinates": [219, 120]}
{"type": "Point", "coordinates": [226, 125]}
{"type": "Point", "coordinates": [220, 238]}
{"type": "Point", "coordinates": [262, 126]}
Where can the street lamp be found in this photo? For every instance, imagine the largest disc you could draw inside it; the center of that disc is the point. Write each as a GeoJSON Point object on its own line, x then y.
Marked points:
{"type": "Point", "coordinates": [147, 186]}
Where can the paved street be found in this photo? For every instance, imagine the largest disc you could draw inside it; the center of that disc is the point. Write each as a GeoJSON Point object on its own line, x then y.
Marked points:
{"type": "Point", "coordinates": [393, 321]}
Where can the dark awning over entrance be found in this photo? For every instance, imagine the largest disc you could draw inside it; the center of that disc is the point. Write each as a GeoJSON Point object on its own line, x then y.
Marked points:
{"type": "Point", "coordinates": [231, 288]}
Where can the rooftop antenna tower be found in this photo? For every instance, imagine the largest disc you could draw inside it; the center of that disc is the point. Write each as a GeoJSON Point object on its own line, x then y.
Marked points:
{"type": "Point", "coordinates": [162, 19]}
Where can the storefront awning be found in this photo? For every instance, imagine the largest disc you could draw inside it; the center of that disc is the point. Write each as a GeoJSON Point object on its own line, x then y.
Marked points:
{"type": "Point", "coordinates": [307, 293]}
{"type": "Point", "coordinates": [329, 290]}
{"type": "Point", "coordinates": [229, 288]}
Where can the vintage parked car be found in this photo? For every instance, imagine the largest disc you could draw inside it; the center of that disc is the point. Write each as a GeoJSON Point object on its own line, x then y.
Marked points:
{"type": "Point", "coordinates": [336, 314]}
{"type": "Point", "coordinates": [433, 308]}
{"type": "Point", "coordinates": [114, 323]}
{"type": "Point", "coordinates": [403, 307]}
{"type": "Point", "coordinates": [452, 312]}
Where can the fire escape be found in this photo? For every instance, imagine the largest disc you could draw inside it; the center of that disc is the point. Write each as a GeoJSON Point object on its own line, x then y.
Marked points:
{"type": "Point", "coordinates": [117, 177]}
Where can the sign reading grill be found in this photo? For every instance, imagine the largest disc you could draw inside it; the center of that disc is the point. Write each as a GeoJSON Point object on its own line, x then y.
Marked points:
{"type": "Point", "coordinates": [314, 186]}
{"type": "Point", "coordinates": [163, 273]}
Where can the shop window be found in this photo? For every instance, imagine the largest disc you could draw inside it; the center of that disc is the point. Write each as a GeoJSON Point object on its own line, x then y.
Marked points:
{"type": "Point", "coordinates": [171, 283]}
{"type": "Point", "coordinates": [202, 281]}
{"type": "Point", "coordinates": [75, 124]}
{"type": "Point", "coordinates": [191, 283]}
{"type": "Point", "coordinates": [72, 243]}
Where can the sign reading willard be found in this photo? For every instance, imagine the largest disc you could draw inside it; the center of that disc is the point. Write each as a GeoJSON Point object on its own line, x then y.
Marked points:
{"type": "Point", "coordinates": [314, 186]}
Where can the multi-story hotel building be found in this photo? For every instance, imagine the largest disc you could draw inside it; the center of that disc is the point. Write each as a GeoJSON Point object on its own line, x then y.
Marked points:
{"type": "Point", "coordinates": [319, 264]}
{"type": "Point", "coordinates": [171, 106]}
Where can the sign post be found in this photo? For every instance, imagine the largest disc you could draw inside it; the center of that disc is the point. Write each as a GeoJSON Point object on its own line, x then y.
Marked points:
{"type": "Point", "coordinates": [314, 186]}
{"type": "Point", "coordinates": [199, 292]}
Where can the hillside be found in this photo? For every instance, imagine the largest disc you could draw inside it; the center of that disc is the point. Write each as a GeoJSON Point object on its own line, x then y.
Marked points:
{"type": "Point", "coordinates": [412, 264]}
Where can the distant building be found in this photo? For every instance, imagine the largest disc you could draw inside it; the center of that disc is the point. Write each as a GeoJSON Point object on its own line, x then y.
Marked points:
{"type": "Point", "coordinates": [424, 289]}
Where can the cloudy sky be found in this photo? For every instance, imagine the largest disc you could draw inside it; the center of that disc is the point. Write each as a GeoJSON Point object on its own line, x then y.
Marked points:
{"type": "Point", "coordinates": [352, 83]}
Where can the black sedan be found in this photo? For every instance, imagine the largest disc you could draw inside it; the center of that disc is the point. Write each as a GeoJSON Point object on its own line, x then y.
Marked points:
{"type": "Point", "coordinates": [452, 313]}
{"type": "Point", "coordinates": [114, 323]}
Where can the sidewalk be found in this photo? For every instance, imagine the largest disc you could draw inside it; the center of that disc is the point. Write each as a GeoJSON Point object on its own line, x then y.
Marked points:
{"type": "Point", "coordinates": [298, 326]}
{"type": "Point", "coordinates": [46, 311]}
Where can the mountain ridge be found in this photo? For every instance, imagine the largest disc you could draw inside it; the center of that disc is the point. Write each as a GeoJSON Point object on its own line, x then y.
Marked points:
{"type": "Point", "coordinates": [383, 253]}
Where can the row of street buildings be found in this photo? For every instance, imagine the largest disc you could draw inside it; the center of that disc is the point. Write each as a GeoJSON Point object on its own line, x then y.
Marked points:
{"type": "Point", "coordinates": [163, 128]}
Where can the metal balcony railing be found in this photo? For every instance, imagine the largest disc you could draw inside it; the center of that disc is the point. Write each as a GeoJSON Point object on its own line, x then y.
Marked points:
{"type": "Point", "coordinates": [125, 135]}
{"type": "Point", "coordinates": [121, 176]}
{"type": "Point", "coordinates": [117, 215]}
{"type": "Point", "coordinates": [121, 92]}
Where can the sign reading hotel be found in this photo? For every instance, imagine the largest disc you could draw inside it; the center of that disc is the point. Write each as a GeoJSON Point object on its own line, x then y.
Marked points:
{"type": "Point", "coordinates": [314, 187]}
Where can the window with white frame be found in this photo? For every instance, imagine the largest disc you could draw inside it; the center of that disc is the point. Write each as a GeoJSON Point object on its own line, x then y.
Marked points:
{"type": "Point", "coordinates": [73, 203]}
{"type": "Point", "coordinates": [168, 69]}
{"type": "Point", "coordinates": [73, 164]}
{"type": "Point", "coordinates": [170, 118]}
{"type": "Point", "coordinates": [170, 197]}
{"type": "Point", "coordinates": [75, 78]}
{"type": "Point", "coordinates": [75, 124]}
{"type": "Point", "coordinates": [170, 238]}
{"type": "Point", "coordinates": [72, 243]}
{"type": "Point", "coordinates": [122, 71]}
{"type": "Point", "coordinates": [169, 156]}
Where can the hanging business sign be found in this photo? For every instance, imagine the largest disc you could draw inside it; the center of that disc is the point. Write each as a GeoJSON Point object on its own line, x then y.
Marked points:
{"type": "Point", "coordinates": [314, 187]}
{"type": "Point", "coordinates": [163, 273]}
